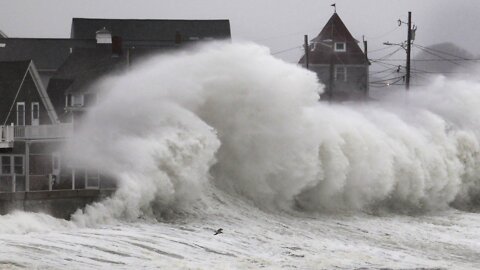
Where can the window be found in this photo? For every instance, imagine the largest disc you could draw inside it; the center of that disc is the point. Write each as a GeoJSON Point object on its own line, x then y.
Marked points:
{"type": "Point", "coordinates": [6, 165]}
{"type": "Point", "coordinates": [340, 47]}
{"type": "Point", "coordinates": [18, 164]}
{"type": "Point", "coordinates": [77, 100]}
{"type": "Point", "coordinates": [20, 113]}
{"type": "Point", "coordinates": [35, 113]}
{"type": "Point", "coordinates": [340, 73]}
{"type": "Point", "coordinates": [93, 179]}
{"type": "Point", "coordinates": [55, 162]}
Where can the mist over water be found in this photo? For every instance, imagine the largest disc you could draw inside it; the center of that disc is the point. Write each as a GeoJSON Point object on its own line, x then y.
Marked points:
{"type": "Point", "coordinates": [227, 136]}
{"type": "Point", "coordinates": [232, 117]}
{"type": "Point", "coordinates": [178, 130]}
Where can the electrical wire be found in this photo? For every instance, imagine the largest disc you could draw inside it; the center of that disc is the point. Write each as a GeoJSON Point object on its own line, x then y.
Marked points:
{"type": "Point", "coordinates": [287, 50]}
{"type": "Point", "coordinates": [441, 57]}
{"type": "Point", "coordinates": [442, 52]}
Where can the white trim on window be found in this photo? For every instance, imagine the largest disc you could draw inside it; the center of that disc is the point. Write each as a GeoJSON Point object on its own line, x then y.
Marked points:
{"type": "Point", "coordinates": [35, 113]}
{"type": "Point", "coordinates": [12, 167]}
{"type": "Point", "coordinates": [20, 114]}
{"type": "Point", "coordinates": [5, 165]}
{"type": "Point", "coordinates": [77, 100]}
{"type": "Point", "coordinates": [340, 47]}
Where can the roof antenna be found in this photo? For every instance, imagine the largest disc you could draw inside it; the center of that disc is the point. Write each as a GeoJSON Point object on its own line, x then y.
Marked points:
{"type": "Point", "coordinates": [334, 7]}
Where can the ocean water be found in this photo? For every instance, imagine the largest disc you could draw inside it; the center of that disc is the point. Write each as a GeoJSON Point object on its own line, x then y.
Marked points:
{"type": "Point", "coordinates": [226, 136]}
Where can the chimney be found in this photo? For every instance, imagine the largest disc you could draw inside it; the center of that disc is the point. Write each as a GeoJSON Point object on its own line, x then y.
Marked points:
{"type": "Point", "coordinates": [103, 36]}
{"type": "Point", "coordinates": [178, 37]}
{"type": "Point", "coordinates": [116, 45]}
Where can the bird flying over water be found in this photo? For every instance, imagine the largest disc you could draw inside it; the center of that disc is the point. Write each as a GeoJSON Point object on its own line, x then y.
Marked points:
{"type": "Point", "coordinates": [219, 231]}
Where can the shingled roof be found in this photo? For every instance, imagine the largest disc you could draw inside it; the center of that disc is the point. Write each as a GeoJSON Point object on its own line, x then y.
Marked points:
{"type": "Point", "coordinates": [12, 74]}
{"type": "Point", "coordinates": [335, 30]}
{"type": "Point", "coordinates": [46, 53]}
{"type": "Point", "coordinates": [159, 30]}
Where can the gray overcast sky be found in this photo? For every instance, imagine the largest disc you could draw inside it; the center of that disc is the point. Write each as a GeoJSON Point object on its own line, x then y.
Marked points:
{"type": "Point", "coordinates": [279, 24]}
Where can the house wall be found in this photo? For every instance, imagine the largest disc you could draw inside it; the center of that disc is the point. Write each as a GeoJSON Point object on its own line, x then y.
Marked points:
{"type": "Point", "coordinates": [354, 88]}
{"type": "Point", "coordinates": [28, 94]}
{"type": "Point", "coordinates": [40, 160]}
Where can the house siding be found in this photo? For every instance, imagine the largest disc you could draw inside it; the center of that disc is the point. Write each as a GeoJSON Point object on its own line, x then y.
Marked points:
{"type": "Point", "coordinates": [28, 94]}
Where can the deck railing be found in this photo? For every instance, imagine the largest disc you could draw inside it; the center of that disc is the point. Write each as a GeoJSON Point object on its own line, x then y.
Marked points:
{"type": "Point", "coordinates": [57, 131]}
{"type": "Point", "coordinates": [6, 136]}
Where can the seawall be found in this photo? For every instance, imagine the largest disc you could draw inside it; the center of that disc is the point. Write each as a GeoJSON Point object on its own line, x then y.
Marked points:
{"type": "Point", "coordinates": [58, 203]}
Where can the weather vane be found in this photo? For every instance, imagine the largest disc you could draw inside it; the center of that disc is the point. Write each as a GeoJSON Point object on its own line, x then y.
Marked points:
{"type": "Point", "coordinates": [334, 7]}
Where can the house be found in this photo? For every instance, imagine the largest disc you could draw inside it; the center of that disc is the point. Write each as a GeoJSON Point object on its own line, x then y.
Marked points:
{"type": "Point", "coordinates": [48, 54]}
{"type": "Point", "coordinates": [152, 32]}
{"type": "Point", "coordinates": [118, 44]}
{"type": "Point", "coordinates": [46, 85]}
{"type": "Point", "coordinates": [339, 62]}
{"type": "Point", "coordinates": [29, 130]}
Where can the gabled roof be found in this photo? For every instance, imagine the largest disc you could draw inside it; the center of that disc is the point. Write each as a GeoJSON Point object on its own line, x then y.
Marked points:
{"type": "Point", "coordinates": [2, 34]}
{"type": "Point", "coordinates": [12, 74]}
{"type": "Point", "coordinates": [47, 53]}
{"type": "Point", "coordinates": [82, 69]}
{"type": "Point", "coordinates": [159, 30]}
{"type": "Point", "coordinates": [336, 31]}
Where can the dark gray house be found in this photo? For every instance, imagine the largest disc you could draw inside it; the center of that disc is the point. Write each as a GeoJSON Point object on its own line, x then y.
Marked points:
{"type": "Point", "coordinates": [29, 130]}
{"type": "Point", "coordinates": [48, 54]}
{"type": "Point", "coordinates": [339, 62]}
{"type": "Point", "coordinates": [155, 31]}
{"type": "Point", "coordinates": [45, 87]}
{"type": "Point", "coordinates": [118, 44]}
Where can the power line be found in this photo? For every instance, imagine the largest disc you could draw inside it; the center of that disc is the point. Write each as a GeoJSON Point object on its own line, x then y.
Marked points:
{"type": "Point", "coordinates": [441, 57]}
{"type": "Point", "coordinates": [429, 60]}
{"type": "Point", "coordinates": [384, 34]}
{"type": "Point", "coordinates": [442, 52]}
{"type": "Point", "coordinates": [286, 50]}
{"type": "Point", "coordinates": [390, 54]}
{"type": "Point", "coordinates": [389, 79]}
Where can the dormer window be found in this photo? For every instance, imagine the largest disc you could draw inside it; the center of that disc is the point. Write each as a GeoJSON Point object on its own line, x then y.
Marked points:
{"type": "Point", "coordinates": [340, 47]}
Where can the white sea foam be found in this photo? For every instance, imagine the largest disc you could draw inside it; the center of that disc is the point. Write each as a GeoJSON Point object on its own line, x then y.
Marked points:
{"type": "Point", "coordinates": [204, 136]}
{"type": "Point", "coordinates": [231, 116]}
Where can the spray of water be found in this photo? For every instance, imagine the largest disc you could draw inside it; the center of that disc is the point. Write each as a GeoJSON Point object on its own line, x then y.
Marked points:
{"type": "Point", "coordinates": [231, 117]}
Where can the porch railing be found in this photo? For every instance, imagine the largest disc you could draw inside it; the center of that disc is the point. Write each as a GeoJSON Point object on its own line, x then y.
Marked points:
{"type": "Point", "coordinates": [57, 131]}
{"type": "Point", "coordinates": [6, 136]}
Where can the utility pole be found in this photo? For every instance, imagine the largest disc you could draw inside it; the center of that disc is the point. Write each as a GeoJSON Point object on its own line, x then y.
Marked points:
{"type": "Point", "coordinates": [409, 47]}
{"type": "Point", "coordinates": [365, 48]}
{"type": "Point", "coordinates": [306, 51]}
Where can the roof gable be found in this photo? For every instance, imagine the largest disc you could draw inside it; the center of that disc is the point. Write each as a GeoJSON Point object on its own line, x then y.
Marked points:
{"type": "Point", "coordinates": [159, 30]}
{"type": "Point", "coordinates": [335, 31]}
{"type": "Point", "coordinates": [12, 75]}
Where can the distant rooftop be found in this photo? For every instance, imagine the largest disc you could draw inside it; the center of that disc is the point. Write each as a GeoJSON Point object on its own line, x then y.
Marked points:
{"type": "Point", "coordinates": [158, 30]}
{"type": "Point", "coordinates": [47, 53]}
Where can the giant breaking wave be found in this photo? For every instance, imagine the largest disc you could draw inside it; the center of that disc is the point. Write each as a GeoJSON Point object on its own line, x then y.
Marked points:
{"type": "Point", "coordinates": [230, 118]}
